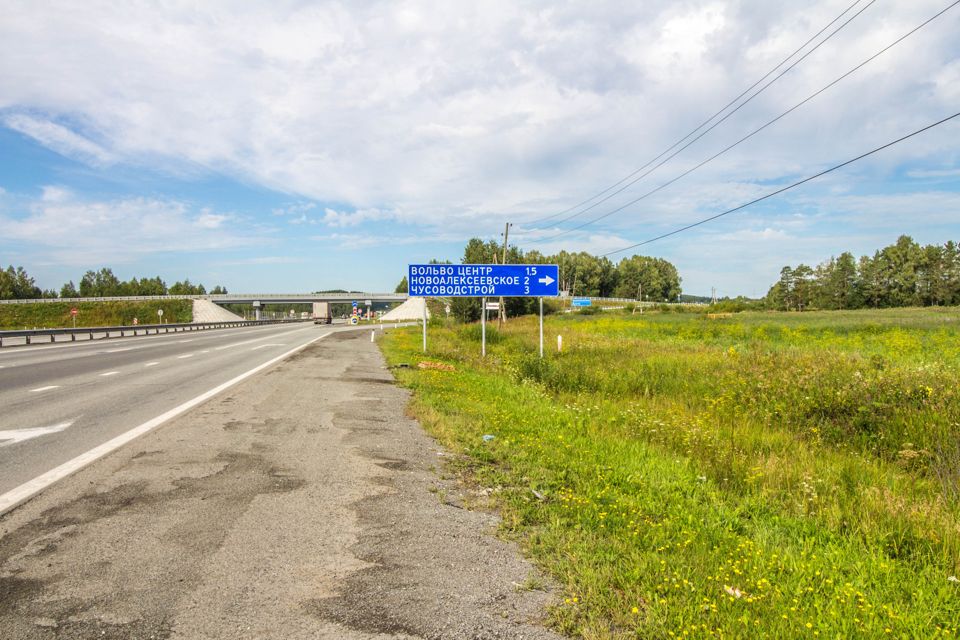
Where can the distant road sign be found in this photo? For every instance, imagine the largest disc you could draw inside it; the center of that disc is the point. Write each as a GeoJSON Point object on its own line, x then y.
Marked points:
{"type": "Point", "coordinates": [493, 306]}
{"type": "Point", "coordinates": [479, 280]}
{"type": "Point", "coordinates": [74, 311]}
{"type": "Point", "coordinates": [581, 302]}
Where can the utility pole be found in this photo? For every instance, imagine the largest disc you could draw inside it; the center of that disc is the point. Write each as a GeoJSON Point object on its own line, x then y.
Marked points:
{"type": "Point", "coordinates": [713, 295]}
{"type": "Point", "coordinates": [639, 298]}
{"type": "Point", "coordinates": [503, 309]}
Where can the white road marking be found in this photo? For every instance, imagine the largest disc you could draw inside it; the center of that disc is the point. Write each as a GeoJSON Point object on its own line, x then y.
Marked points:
{"type": "Point", "coordinates": [119, 350]}
{"type": "Point", "coordinates": [12, 498]}
{"type": "Point", "coordinates": [47, 388]}
{"type": "Point", "coordinates": [186, 341]}
{"type": "Point", "coordinates": [109, 373]}
{"type": "Point", "coordinates": [19, 435]}
{"type": "Point", "coordinates": [151, 364]}
{"type": "Point", "coordinates": [205, 351]}
{"type": "Point", "coordinates": [163, 336]}
{"type": "Point", "coordinates": [189, 355]}
{"type": "Point", "coordinates": [269, 344]}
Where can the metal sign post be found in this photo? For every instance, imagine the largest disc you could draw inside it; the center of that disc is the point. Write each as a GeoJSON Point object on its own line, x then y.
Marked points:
{"type": "Point", "coordinates": [424, 325]}
{"type": "Point", "coordinates": [483, 327]}
{"type": "Point", "coordinates": [541, 327]}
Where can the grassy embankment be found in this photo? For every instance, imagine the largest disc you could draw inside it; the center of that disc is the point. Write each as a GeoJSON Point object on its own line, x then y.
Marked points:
{"type": "Point", "coordinates": [49, 315]}
{"type": "Point", "coordinates": [764, 475]}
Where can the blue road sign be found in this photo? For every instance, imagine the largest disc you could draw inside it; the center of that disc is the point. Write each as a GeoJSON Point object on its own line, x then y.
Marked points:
{"type": "Point", "coordinates": [581, 302]}
{"type": "Point", "coordinates": [479, 280]}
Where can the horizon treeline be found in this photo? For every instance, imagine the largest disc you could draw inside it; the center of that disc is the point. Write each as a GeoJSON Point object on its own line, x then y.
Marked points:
{"type": "Point", "coordinates": [17, 284]}
{"type": "Point", "coordinates": [903, 274]}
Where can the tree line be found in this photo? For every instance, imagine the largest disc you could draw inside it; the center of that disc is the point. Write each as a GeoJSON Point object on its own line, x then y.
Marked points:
{"type": "Point", "coordinates": [17, 284]}
{"type": "Point", "coordinates": [903, 274]}
{"type": "Point", "coordinates": [581, 274]}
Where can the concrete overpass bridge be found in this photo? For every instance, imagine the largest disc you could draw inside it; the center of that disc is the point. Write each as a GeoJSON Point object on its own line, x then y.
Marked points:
{"type": "Point", "coordinates": [243, 298]}
{"type": "Point", "coordinates": [321, 301]}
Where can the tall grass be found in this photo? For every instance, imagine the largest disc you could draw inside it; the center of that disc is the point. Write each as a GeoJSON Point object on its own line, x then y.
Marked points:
{"type": "Point", "coordinates": [766, 475]}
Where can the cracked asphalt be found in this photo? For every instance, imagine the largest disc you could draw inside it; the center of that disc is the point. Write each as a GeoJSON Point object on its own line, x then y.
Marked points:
{"type": "Point", "coordinates": [301, 503]}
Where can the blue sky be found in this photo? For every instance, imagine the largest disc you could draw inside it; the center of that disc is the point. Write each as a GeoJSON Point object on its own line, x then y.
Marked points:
{"type": "Point", "coordinates": [293, 146]}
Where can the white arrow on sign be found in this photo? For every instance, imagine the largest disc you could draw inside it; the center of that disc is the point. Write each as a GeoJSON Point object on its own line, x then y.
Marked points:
{"type": "Point", "coordinates": [19, 435]}
{"type": "Point", "coordinates": [546, 280]}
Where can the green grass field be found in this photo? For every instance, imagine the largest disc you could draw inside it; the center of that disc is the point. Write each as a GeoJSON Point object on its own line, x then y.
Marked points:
{"type": "Point", "coordinates": [50, 315]}
{"type": "Point", "coordinates": [763, 475]}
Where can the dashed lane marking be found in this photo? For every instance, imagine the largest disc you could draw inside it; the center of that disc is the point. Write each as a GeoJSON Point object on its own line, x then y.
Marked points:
{"type": "Point", "coordinates": [151, 364]}
{"type": "Point", "coordinates": [269, 344]}
{"type": "Point", "coordinates": [188, 355]}
{"type": "Point", "coordinates": [109, 373]}
{"type": "Point", "coordinates": [47, 388]}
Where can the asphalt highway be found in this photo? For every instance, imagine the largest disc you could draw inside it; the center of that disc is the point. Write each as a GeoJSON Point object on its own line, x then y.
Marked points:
{"type": "Point", "coordinates": [60, 401]}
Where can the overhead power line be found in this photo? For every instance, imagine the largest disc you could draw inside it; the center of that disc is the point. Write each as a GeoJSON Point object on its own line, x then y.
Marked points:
{"type": "Point", "coordinates": [724, 108]}
{"type": "Point", "coordinates": [755, 131]}
{"type": "Point", "coordinates": [783, 189]}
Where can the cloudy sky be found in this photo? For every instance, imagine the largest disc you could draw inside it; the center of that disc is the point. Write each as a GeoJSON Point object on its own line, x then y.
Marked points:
{"type": "Point", "coordinates": [293, 146]}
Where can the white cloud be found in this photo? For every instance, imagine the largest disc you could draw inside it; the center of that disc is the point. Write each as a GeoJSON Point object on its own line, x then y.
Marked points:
{"type": "Point", "coordinates": [934, 173]}
{"type": "Point", "coordinates": [334, 218]}
{"type": "Point", "coordinates": [68, 230]}
{"type": "Point", "coordinates": [266, 260]}
{"type": "Point", "coordinates": [59, 138]}
{"type": "Point", "coordinates": [208, 220]}
{"type": "Point", "coordinates": [354, 241]}
{"type": "Point", "coordinates": [495, 108]}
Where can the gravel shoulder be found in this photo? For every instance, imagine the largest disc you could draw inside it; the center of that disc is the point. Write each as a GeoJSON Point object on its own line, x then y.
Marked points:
{"type": "Point", "coordinates": [302, 503]}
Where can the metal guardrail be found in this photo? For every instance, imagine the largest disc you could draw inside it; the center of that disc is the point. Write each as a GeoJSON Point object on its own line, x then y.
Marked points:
{"type": "Point", "coordinates": [134, 330]}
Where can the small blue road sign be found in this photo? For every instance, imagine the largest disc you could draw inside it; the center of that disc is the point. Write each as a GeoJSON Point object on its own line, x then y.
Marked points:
{"type": "Point", "coordinates": [480, 280]}
{"type": "Point", "coordinates": [581, 302]}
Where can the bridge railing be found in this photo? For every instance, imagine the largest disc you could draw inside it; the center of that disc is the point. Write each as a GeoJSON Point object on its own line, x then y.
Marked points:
{"type": "Point", "coordinates": [121, 331]}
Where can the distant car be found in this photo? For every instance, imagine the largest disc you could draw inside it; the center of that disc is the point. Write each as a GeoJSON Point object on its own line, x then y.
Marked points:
{"type": "Point", "coordinates": [323, 321]}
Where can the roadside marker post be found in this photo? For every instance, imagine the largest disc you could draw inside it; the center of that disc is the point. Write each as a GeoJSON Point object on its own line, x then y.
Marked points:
{"type": "Point", "coordinates": [483, 281]}
{"type": "Point", "coordinates": [559, 343]}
